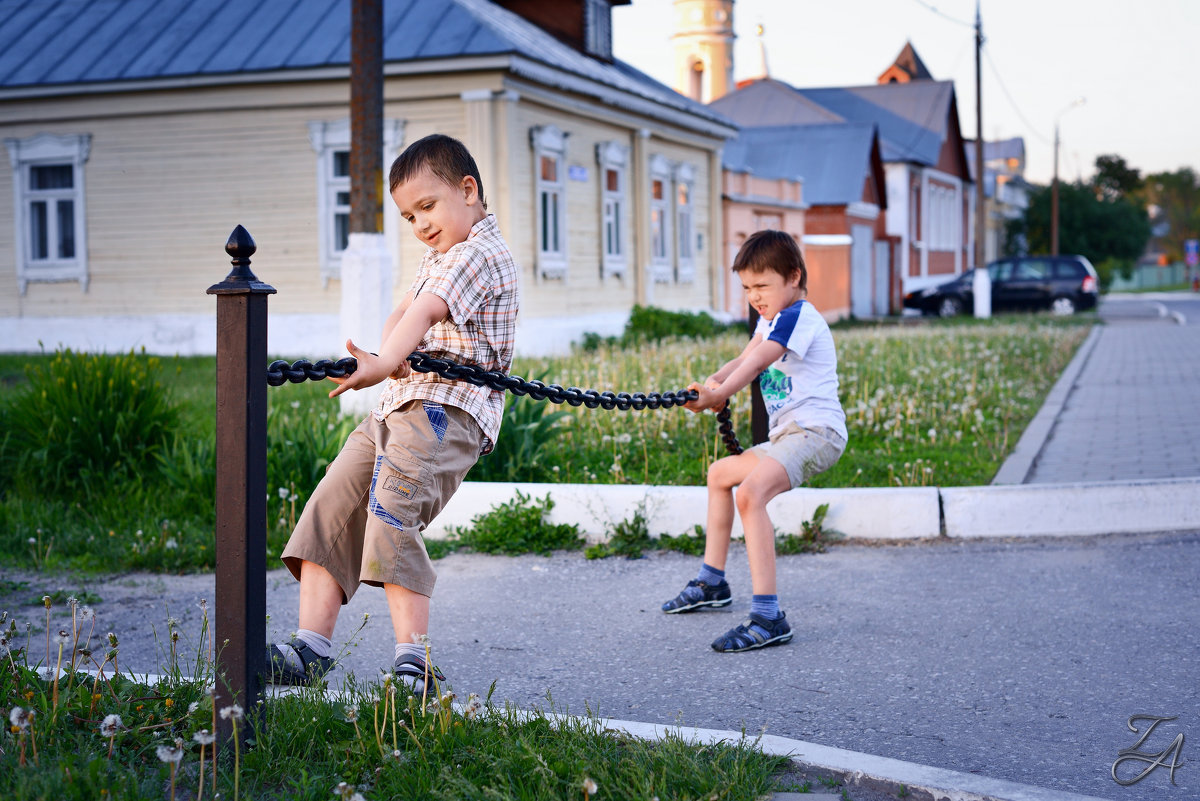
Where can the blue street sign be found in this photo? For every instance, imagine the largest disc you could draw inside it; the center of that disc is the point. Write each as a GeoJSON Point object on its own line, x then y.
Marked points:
{"type": "Point", "coordinates": [1191, 251]}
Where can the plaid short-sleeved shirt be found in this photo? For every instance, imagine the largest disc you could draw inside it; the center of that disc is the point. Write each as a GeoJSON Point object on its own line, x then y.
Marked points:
{"type": "Point", "coordinates": [477, 279]}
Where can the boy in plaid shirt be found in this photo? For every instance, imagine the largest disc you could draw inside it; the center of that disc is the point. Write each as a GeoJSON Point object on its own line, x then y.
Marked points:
{"type": "Point", "coordinates": [397, 470]}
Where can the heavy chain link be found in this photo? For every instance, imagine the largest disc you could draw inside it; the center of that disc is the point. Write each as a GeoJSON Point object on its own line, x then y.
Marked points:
{"type": "Point", "coordinates": [280, 372]}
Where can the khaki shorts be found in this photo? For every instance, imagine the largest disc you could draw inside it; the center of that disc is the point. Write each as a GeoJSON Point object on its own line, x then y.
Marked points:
{"type": "Point", "coordinates": [364, 520]}
{"type": "Point", "coordinates": [803, 452]}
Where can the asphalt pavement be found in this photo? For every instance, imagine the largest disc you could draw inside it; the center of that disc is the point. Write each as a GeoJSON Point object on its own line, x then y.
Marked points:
{"type": "Point", "coordinates": [1019, 660]}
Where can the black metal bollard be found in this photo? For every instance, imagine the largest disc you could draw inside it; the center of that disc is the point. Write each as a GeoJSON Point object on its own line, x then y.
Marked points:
{"type": "Point", "coordinates": [241, 488]}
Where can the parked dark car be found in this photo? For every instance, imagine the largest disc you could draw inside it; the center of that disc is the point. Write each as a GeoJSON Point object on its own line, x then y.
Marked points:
{"type": "Point", "coordinates": [1062, 284]}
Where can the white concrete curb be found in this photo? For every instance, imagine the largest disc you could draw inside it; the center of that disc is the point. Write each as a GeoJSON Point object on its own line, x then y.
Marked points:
{"type": "Point", "coordinates": [874, 513]}
{"type": "Point", "coordinates": [856, 768]}
{"type": "Point", "coordinates": [1114, 507]}
{"type": "Point", "coordinates": [1109, 507]}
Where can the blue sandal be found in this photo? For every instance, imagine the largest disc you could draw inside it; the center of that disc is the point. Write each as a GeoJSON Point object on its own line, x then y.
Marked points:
{"type": "Point", "coordinates": [697, 594]}
{"type": "Point", "coordinates": [743, 637]}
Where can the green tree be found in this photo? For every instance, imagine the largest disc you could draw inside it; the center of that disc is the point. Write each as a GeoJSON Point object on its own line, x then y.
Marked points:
{"type": "Point", "coordinates": [1114, 178]}
{"type": "Point", "coordinates": [1174, 198]}
{"type": "Point", "coordinates": [1099, 228]}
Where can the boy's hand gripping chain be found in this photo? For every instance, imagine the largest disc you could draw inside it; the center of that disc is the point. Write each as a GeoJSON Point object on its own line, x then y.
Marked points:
{"type": "Point", "coordinates": [279, 372]}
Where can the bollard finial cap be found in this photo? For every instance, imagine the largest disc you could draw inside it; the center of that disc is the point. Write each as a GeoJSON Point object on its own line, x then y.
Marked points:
{"type": "Point", "coordinates": [241, 280]}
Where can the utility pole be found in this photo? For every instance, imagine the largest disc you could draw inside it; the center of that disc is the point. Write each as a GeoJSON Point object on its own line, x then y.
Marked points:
{"type": "Point", "coordinates": [1079, 101]}
{"type": "Point", "coordinates": [980, 215]}
{"type": "Point", "coordinates": [981, 283]}
{"type": "Point", "coordinates": [366, 269]}
{"type": "Point", "coordinates": [366, 116]}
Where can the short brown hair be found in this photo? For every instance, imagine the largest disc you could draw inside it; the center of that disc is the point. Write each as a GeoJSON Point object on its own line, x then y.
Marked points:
{"type": "Point", "coordinates": [772, 250]}
{"type": "Point", "coordinates": [444, 156]}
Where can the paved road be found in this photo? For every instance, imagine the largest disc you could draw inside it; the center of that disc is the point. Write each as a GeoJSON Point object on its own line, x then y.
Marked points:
{"type": "Point", "coordinates": [1134, 411]}
{"type": "Point", "coordinates": [1016, 660]}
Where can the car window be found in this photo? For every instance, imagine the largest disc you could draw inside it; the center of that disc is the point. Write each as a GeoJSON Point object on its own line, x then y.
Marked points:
{"type": "Point", "coordinates": [1032, 270]}
{"type": "Point", "coordinates": [1000, 270]}
{"type": "Point", "coordinates": [1069, 269]}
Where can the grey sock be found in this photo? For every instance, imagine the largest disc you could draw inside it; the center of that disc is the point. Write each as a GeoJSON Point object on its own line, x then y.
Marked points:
{"type": "Point", "coordinates": [409, 649]}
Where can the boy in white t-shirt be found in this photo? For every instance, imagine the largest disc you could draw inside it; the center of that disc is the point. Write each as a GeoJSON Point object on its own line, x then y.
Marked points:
{"type": "Point", "coordinates": [792, 353]}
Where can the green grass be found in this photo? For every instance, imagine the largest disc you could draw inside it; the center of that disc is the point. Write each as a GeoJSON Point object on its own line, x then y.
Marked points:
{"type": "Point", "coordinates": [106, 734]}
{"type": "Point", "coordinates": [928, 402]}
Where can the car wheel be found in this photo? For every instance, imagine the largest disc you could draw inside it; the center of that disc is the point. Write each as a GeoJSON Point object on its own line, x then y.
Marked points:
{"type": "Point", "coordinates": [1063, 305]}
{"type": "Point", "coordinates": [950, 307]}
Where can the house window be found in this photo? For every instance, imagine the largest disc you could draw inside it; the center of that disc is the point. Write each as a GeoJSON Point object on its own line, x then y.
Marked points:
{"type": "Point", "coordinates": [613, 159]}
{"type": "Point", "coordinates": [549, 156]}
{"type": "Point", "coordinates": [685, 186]}
{"type": "Point", "coordinates": [331, 142]}
{"type": "Point", "coordinates": [48, 204]}
{"type": "Point", "coordinates": [660, 219]}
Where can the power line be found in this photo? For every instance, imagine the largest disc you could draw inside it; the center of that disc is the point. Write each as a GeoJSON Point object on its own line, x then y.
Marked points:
{"type": "Point", "coordinates": [944, 15]}
{"type": "Point", "coordinates": [996, 74]}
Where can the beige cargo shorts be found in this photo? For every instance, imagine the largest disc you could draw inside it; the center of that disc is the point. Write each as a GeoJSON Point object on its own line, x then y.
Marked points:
{"type": "Point", "coordinates": [363, 522]}
{"type": "Point", "coordinates": [803, 452]}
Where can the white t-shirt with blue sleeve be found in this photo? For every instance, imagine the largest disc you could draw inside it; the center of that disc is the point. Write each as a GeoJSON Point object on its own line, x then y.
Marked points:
{"type": "Point", "coordinates": [801, 386]}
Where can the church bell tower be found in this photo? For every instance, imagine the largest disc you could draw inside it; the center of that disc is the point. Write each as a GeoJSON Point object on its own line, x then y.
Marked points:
{"type": "Point", "coordinates": [703, 48]}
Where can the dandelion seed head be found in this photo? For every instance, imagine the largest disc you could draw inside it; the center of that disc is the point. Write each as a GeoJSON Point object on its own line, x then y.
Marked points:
{"type": "Point", "coordinates": [233, 712]}
{"type": "Point", "coordinates": [62, 638]}
{"type": "Point", "coordinates": [192, 707]}
{"type": "Point", "coordinates": [350, 713]}
{"type": "Point", "coordinates": [420, 639]}
{"type": "Point", "coordinates": [171, 754]}
{"type": "Point", "coordinates": [283, 493]}
{"type": "Point", "coordinates": [32, 541]}
{"type": "Point", "coordinates": [589, 785]}
{"type": "Point", "coordinates": [86, 613]}
{"type": "Point", "coordinates": [204, 737]}
{"type": "Point", "coordinates": [72, 601]}
{"type": "Point", "coordinates": [110, 726]}
{"type": "Point", "coordinates": [21, 718]}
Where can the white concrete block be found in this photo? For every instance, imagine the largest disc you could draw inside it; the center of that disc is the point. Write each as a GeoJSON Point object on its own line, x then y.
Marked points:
{"type": "Point", "coordinates": [1111, 507]}
{"type": "Point", "coordinates": [861, 513]}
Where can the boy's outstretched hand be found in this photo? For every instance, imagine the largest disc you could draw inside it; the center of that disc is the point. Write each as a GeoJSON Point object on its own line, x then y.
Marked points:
{"type": "Point", "coordinates": [707, 399]}
{"type": "Point", "coordinates": [370, 371]}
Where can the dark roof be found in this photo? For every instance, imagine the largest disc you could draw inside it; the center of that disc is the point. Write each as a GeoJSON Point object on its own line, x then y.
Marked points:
{"type": "Point", "coordinates": [108, 42]}
{"type": "Point", "coordinates": [911, 64]}
{"type": "Point", "coordinates": [912, 117]}
{"type": "Point", "coordinates": [771, 102]}
{"type": "Point", "coordinates": [833, 159]}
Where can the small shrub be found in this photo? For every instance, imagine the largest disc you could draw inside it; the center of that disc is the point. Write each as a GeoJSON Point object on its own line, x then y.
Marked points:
{"type": "Point", "coordinates": [86, 422]}
{"type": "Point", "coordinates": [813, 537]}
{"type": "Point", "coordinates": [690, 544]}
{"type": "Point", "coordinates": [516, 527]}
{"type": "Point", "coordinates": [629, 538]}
{"type": "Point", "coordinates": [650, 324]}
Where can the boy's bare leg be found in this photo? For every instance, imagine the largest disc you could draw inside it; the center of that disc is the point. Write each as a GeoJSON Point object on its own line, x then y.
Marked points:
{"type": "Point", "coordinates": [723, 475]}
{"type": "Point", "coordinates": [410, 612]}
{"type": "Point", "coordinates": [320, 599]}
{"type": "Point", "coordinates": [765, 481]}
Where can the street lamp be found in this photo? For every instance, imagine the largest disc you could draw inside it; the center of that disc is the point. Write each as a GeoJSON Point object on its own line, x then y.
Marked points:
{"type": "Point", "coordinates": [1079, 101]}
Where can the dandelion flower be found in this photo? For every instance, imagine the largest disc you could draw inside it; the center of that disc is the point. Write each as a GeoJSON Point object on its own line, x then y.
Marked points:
{"type": "Point", "coordinates": [170, 753]}
{"type": "Point", "coordinates": [283, 493]}
{"type": "Point", "coordinates": [46, 601]}
{"type": "Point", "coordinates": [350, 713]}
{"type": "Point", "coordinates": [110, 726]}
{"type": "Point", "coordinates": [21, 718]}
{"type": "Point", "coordinates": [589, 786]}
{"type": "Point", "coordinates": [204, 737]}
{"type": "Point", "coordinates": [192, 707]}
{"type": "Point", "coordinates": [233, 712]}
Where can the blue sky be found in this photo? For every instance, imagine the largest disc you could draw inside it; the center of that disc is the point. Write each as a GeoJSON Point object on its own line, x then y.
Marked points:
{"type": "Point", "coordinates": [1133, 61]}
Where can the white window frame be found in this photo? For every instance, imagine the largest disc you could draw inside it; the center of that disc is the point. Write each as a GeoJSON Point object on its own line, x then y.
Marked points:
{"type": "Point", "coordinates": [45, 150]}
{"type": "Point", "coordinates": [614, 249]}
{"type": "Point", "coordinates": [685, 223]}
{"type": "Point", "coordinates": [661, 251]}
{"type": "Point", "coordinates": [328, 139]}
{"type": "Point", "coordinates": [550, 201]}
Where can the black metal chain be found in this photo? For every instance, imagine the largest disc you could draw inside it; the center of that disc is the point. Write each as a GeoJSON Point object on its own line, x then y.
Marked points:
{"type": "Point", "coordinates": [280, 372]}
